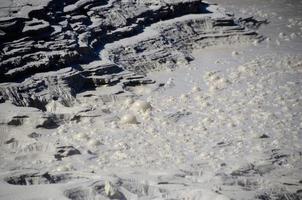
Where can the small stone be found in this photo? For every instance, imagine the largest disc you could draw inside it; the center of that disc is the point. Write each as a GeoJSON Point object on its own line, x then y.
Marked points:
{"type": "Point", "coordinates": [34, 135]}
{"type": "Point", "coordinates": [264, 136]}
{"type": "Point", "coordinates": [196, 89]}
{"type": "Point", "coordinates": [235, 53]}
{"type": "Point", "coordinates": [268, 39]}
{"type": "Point", "coordinates": [10, 141]}
{"type": "Point", "coordinates": [66, 151]}
{"type": "Point", "coordinates": [281, 35]}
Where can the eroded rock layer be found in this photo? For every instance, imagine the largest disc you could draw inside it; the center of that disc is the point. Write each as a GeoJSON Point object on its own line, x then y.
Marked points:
{"type": "Point", "coordinates": [44, 47]}
{"type": "Point", "coordinates": [67, 32]}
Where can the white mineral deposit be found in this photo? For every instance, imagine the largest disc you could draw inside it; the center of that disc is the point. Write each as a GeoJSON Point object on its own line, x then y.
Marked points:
{"type": "Point", "coordinates": [143, 100]}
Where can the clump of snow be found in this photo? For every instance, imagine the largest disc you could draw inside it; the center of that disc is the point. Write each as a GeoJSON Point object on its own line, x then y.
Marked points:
{"type": "Point", "coordinates": [196, 89]}
{"type": "Point", "coordinates": [64, 167]}
{"type": "Point", "coordinates": [293, 35]}
{"type": "Point", "coordinates": [81, 136]}
{"type": "Point", "coordinates": [129, 119]}
{"type": "Point", "coordinates": [94, 142]}
{"type": "Point", "coordinates": [170, 83]}
{"type": "Point", "coordinates": [141, 106]}
{"type": "Point", "coordinates": [128, 101]}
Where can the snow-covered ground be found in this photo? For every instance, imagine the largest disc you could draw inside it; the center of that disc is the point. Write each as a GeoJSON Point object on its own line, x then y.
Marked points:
{"type": "Point", "coordinates": [228, 125]}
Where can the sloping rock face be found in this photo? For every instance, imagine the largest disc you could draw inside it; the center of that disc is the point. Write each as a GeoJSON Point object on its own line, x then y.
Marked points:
{"type": "Point", "coordinates": [53, 35]}
{"type": "Point", "coordinates": [67, 32]}
{"type": "Point", "coordinates": [172, 41]}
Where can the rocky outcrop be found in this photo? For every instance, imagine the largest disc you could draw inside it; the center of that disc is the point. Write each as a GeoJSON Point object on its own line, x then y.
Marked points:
{"type": "Point", "coordinates": [68, 32]}
{"type": "Point", "coordinates": [43, 48]}
{"type": "Point", "coordinates": [170, 43]}
{"type": "Point", "coordinates": [63, 85]}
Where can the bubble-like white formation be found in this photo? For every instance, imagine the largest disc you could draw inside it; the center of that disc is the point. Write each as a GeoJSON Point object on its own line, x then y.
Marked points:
{"type": "Point", "coordinates": [183, 97]}
{"type": "Point", "coordinates": [293, 35]}
{"type": "Point", "coordinates": [282, 35]}
{"type": "Point", "coordinates": [81, 136]}
{"type": "Point", "coordinates": [129, 119]}
{"type": "Point", "coordinates": [196, 89]}
{"type": "Point", "coordinates": [170, 82]}
{"type": "Point", "coordinates": [146, 115]}
{"type": "Point", "coordinates": [215, 81]}
{"type": "Point", "coordinates": [235, 53]}
{"type": "Point", "coordinates": [128, 101]}
{"type": "Point", "coordinates": [141, 106]}
{"type": "Point", "coordinates": [268, 39]}
{"type": "Point", "coordinates": [64, 168]}
{"type": "Point", "coordinates": [94, 143]}
{"type": "Point", "coordinates": [256, 42]}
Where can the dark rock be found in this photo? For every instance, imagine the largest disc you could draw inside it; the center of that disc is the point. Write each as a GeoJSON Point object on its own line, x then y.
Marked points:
{"type": "Point", "coordinates": [244, 171]}
{"type": "Point", "coordinates": [264, 136]}
{"type": "Point", "coordinates": [2, 100]}
{"type": "Point", "coordinates": [175, 117]}
{"type": "Point", "coordinates": [66, 151]}
{"type": "Point", "coordinates": [17, 120]}
{"type": "Point", "coordinates": [10, 141]}
{"type": "Point", "coordinates": [34, 135]}
{"type": "Point", "coordinates": [50, 122]}
{"type": "Point", "coordinates": [278, 157]}
{"type": "Point", "coordinates": [36, 179]}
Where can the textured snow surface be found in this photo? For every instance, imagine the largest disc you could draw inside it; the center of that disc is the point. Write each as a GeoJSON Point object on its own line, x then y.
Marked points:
{"type": "Point", "coordinates": [200, 105]}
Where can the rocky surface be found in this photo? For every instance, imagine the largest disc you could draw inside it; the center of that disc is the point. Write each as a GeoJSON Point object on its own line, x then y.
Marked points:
{"type": "Point", "coordinates": [62, 35]}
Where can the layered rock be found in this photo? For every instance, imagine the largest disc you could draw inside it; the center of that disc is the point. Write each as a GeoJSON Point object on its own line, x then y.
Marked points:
{"type": "Point", "coordinates": [169, 44]}
{"type": "Point", "coordinates": [43, 48]}
{"type": "Point", "coordinates": [65, 33]}
{"type": "Point", "coordinates": [63, 85]}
